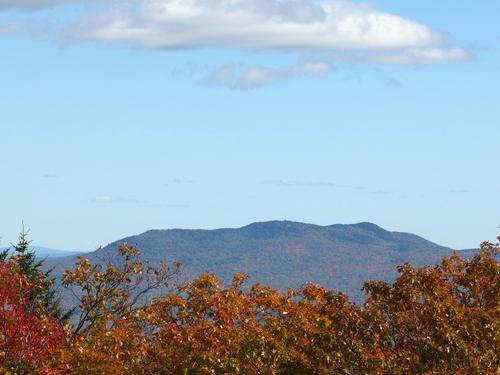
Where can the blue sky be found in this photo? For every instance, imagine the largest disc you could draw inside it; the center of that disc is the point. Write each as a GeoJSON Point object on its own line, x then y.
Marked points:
{"type": "Point", "coordinates": [119, 118]}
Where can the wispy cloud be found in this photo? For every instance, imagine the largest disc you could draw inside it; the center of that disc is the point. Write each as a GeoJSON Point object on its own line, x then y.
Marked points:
{"type": "Point", "coordinates": [107, 199]}
{"type": "Point", "coordinates": [182, 181]}
{"type": "Point", "coordinates": [420, 56]}
{"type": "Point", "coordinates": [393, 82]}
{"type": "Point", "coordinates": [111, 200]}
{"type": "Point", "coordinates": [12, 28]}
{"type": "Point", "coordinates": [175, 206]}
{"type": "Point", "coordinates": [41, 4]}
{"type": "Point", "coordinates": [299, 183]}
{"type": "Point", "coordinates": [179, 181]}
{"type": "Point", "coordinates": [381, 192]}
{"type": "Point", "coordinates": [27, 4]}
{"type": "Point", "coordinates": [237, 77]}
{"type": "Point", "coordinates": [323, 184]}
{"type": "Point", "coordinates": [321, 26]}
{"type": "Point", "coordinates": [460, 191]}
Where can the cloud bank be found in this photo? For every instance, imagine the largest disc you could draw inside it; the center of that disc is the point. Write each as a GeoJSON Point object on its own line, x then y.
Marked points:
{"type": "Point", "coordinates": [322, 25]}
{"type": "Point", "coordinates": [254, 24]}
{"type": "Point", "coordinates": [325, 28]}
{"type": "Point", "coordinates": [283, 25]}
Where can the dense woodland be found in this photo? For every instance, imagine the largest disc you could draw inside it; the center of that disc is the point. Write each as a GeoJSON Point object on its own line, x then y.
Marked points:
{"type": "Point", "coordinates": [134, 318]}
{"type": "Point", "coordinates": [282, 254]}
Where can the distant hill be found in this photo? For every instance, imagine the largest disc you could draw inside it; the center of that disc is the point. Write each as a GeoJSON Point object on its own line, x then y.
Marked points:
{"type": "Point", "coordinates": [284, 253]}
{"type": "Point", "coordinates": [45, 252]}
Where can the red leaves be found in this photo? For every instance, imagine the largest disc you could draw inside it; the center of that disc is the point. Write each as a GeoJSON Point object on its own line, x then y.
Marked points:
{"type": "Point", "coordinates": [26, 337]}
{"type": "Point", "coordinates": [443, 320]}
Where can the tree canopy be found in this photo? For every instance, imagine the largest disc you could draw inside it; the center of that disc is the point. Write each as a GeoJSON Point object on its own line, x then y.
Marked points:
{"type": "Point", "coordinates": [132, 319]}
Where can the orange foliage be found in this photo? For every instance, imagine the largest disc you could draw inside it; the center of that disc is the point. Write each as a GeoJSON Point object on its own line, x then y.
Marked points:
{"type": "Point", "coordinates": [439, 320]}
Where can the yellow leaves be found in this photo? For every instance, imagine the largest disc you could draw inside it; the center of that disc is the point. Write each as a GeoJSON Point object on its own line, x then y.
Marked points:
{"type": "Point", "coordinates": [433, 320]}
{"type": "Point", "coordinates": [126, 250]}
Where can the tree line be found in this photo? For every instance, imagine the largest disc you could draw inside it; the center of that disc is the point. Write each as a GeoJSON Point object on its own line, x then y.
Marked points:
{"type": "Point", "coordinates": [132, 317]}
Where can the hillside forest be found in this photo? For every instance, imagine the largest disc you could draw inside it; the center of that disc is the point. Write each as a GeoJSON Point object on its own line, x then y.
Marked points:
{"type": "Point", "coordinates": [133, 317]}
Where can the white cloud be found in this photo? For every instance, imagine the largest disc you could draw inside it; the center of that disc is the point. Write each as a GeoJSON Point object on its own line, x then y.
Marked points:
{"type": "Point", "coordinates": [254, 24]}
{"type": "Point", "coordinates": [359, 32]}
{"type": "Point", "coordinates": [422, 56]}
{"type": "Point", "coordinates": [236, 77]}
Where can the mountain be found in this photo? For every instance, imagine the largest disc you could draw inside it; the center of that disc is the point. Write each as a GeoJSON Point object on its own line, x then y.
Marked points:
{"type": "Point", "coordinates": [284, 253]}
{"type": "Point", "coordinates": [45, 252]}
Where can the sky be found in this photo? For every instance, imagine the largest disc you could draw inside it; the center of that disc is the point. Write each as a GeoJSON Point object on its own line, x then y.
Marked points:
{"type": "Point", "coordinates": [117, 117]}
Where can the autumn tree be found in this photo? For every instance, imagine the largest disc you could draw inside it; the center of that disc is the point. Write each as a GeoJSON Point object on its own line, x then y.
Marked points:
{"type": "Point", "coordinates": [109, 331]}
{"type": "Point", "coordinates": [431, 320]}
{"type": "Point", "coordinates": [207, 328]}
{"type": "Point", "coordinates": [439, 320]}
{"type": "Point", "coordinates": [27, 335]}
{"type": "Point", "coordinates": [43, 294]}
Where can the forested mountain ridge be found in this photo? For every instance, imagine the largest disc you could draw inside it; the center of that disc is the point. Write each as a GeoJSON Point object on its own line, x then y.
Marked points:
{"type": "Point", "coordinates": [283, 253]}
